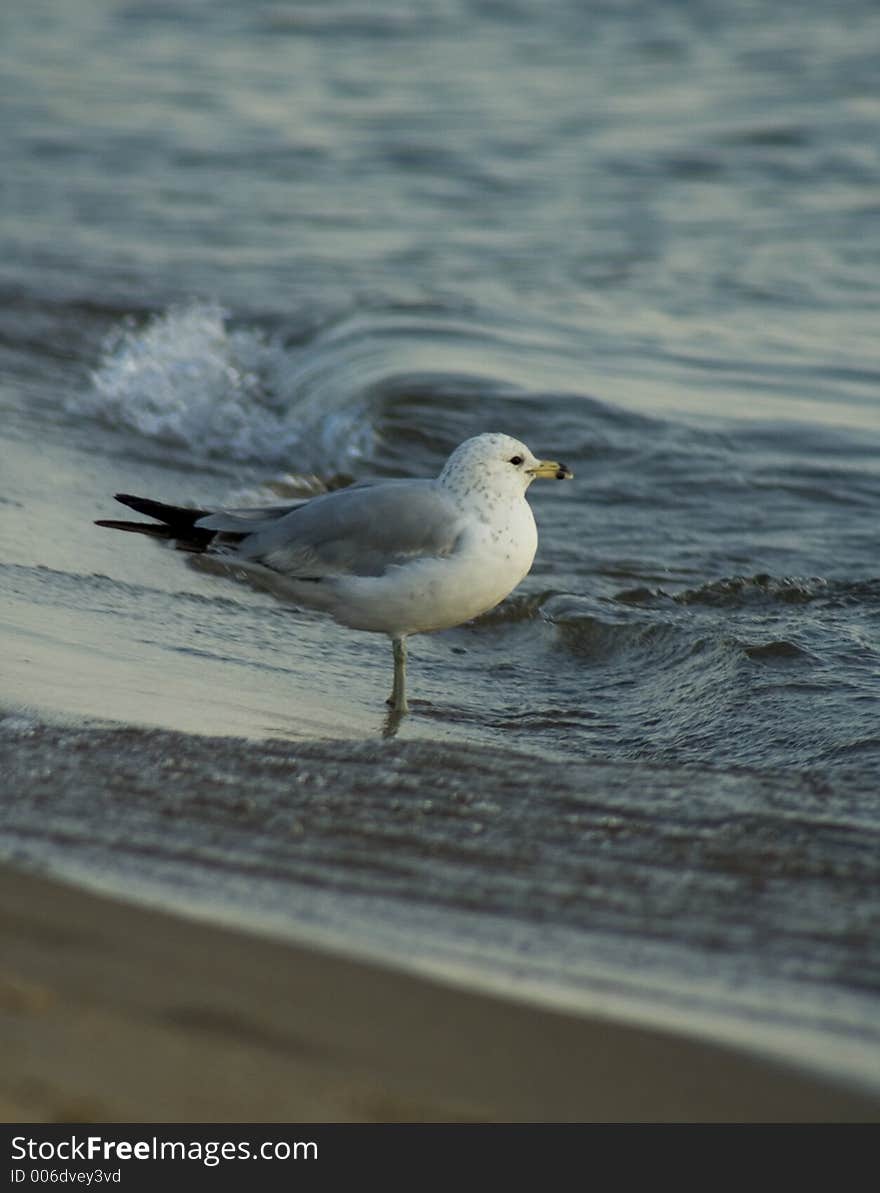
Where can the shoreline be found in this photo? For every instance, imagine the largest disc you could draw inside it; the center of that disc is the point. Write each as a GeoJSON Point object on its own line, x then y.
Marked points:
{"type": "Point", "coordinates": [110, 1011]}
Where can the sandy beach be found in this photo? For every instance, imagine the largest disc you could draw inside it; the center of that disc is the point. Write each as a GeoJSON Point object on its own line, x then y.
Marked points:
{"type": "Point", "coordinates": [112, 1012]}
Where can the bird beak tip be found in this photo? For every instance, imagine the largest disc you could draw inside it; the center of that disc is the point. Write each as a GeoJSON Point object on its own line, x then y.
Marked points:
{"type": "Point", "coordinates": [552, 470]}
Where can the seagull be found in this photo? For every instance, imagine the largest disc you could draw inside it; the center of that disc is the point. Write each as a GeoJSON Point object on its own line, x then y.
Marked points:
{"type": "Point", "coordinates": [395, 557]}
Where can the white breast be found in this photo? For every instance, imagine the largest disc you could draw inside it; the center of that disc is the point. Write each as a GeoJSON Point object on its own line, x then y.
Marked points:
{"type": "Point", "coordinates": [491, 558]}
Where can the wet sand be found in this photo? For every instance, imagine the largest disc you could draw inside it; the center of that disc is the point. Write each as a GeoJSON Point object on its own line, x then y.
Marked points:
{"type": "Point", "coordinates": [112, 1012]}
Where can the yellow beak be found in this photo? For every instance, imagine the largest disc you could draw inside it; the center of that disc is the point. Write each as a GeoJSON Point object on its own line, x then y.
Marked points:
{"type": "Point", "coordinates": [551, 471]}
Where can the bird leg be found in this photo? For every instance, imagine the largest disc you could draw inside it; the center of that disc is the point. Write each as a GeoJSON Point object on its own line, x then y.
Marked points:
{"type": "Point", "coordinates": [397, 699]}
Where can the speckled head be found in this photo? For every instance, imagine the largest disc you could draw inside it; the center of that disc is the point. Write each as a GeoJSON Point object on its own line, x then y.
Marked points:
{"type": "Point", "coordinates": [498, 463]}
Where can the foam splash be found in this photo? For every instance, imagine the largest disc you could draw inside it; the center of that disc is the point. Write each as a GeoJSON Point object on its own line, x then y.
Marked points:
{"type": "Point", "coordinates": [188, 380]}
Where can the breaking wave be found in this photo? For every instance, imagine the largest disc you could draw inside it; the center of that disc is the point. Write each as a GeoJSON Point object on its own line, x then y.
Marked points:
{"type": "Point", "coordinates": [190, 380]}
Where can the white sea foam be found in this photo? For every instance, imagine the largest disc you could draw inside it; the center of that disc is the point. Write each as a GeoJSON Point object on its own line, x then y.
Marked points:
{"type": "Point", "coordinates": [189, 380]}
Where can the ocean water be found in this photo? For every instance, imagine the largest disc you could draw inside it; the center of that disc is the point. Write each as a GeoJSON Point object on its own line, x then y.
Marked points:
{"type": "Point", "coordinates": [248, 244]}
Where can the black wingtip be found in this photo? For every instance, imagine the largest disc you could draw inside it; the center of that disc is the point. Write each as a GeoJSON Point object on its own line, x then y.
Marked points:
{"type": "Point", "coordinates": [149, 528]}
{"type": "Point", "coordinates": [179, 517]}
{"type": "Point", "coordinates": [143, 505]}
{"type": "Point", "coordinates": [174, 521]}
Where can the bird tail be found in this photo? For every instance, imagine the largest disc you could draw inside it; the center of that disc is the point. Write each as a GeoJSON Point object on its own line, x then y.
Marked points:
{"type": "Point", "coordinates": [172, 522]}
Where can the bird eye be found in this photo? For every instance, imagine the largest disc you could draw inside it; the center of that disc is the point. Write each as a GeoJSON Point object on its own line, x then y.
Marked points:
{"type": "Point", "coordinates": [516, 461]}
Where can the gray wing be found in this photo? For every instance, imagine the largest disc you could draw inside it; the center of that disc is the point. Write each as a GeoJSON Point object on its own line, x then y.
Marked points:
{"type": "Point", "coordinates": [249, 519]}
{"type": "Point", "coordinates": [252, 519]}
{"type": "Point", "coordinates": [361, 530]}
